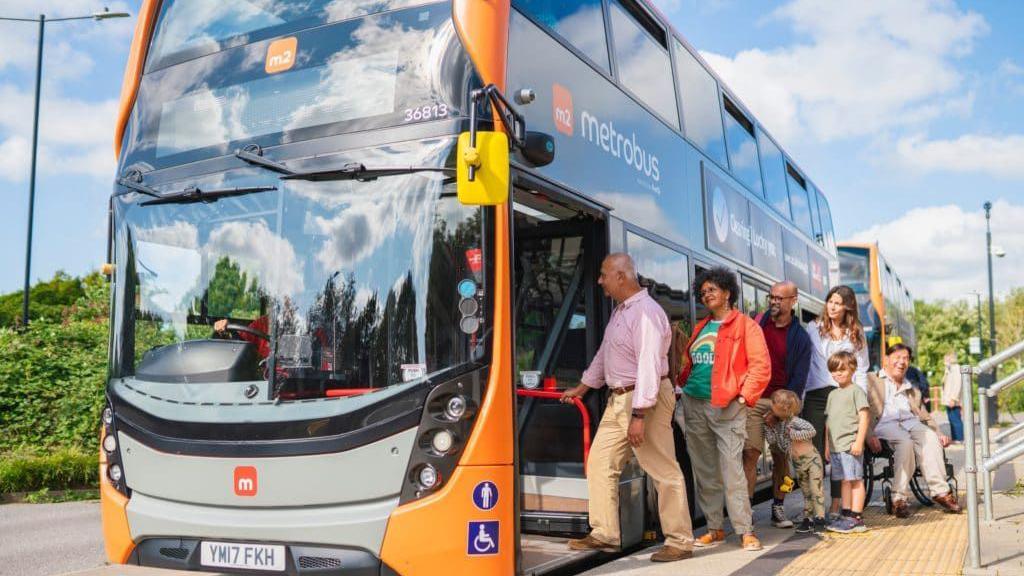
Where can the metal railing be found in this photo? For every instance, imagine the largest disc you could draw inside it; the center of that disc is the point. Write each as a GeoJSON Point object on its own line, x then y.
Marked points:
{"type": "Point", "coordinates": [990, 461]}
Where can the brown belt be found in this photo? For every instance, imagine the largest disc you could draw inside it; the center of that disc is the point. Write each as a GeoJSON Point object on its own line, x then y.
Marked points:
{"type": "Point", "coordinates": [622, 389]}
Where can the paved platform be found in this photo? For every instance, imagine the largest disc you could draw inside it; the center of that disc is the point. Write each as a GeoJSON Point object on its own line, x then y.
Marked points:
{"type": "Point", "coordinates": [929, 543]}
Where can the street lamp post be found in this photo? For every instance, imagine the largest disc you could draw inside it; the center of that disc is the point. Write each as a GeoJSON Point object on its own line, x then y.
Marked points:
{"type": "Point", "coordinates": [981, 334]}
{"type": "Point", "coordinates": [988, 378]}
{"type": "Point", "coordinates": [42, 20]}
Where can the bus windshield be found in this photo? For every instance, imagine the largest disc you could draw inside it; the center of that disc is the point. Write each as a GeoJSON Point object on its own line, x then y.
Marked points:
{"type": "Point", "coordinates": [322, 288]}
{"type": "Point", "coordinates": [854, 269]}
{"type": "Point", "coordinates": [388, 69]}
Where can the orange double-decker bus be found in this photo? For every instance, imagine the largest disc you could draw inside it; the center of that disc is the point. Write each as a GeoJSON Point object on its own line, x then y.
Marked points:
{"type": "Point", "coordinates": [355, 247]}
{"type": "Point", "coordinates": [886, 306]}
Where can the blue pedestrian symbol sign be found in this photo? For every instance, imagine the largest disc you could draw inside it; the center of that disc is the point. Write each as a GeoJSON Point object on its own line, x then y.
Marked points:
{"type": "Point", "coordinates": [483, 538]}
{"type": "Point", "coordinates": [485, 495]}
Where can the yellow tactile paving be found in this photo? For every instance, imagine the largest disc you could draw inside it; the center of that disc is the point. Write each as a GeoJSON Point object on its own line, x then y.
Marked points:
{"type": "Point", "coordinates": [929, 543]}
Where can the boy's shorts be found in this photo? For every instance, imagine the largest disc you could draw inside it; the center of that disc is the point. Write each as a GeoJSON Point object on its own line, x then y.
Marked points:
{"type": "Point", "coordinates": [846, 466]}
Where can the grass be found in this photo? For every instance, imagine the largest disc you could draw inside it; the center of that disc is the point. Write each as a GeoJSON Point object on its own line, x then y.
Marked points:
{"type": "Point", "coordinates": [44, 496]}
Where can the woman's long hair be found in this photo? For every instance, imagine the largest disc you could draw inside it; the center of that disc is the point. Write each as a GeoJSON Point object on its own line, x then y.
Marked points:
{"type": "Point", "coordinates": [850, 324]}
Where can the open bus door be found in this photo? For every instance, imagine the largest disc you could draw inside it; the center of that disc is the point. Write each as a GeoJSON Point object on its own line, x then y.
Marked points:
{"type": "Point", "coordinates": [559, 310]}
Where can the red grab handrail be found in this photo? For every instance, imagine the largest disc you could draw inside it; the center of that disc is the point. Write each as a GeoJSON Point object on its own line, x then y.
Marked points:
{"type": "Point", "coordinates": [336, 392]}
{"type": "Point", "coordinates": [584, 415]}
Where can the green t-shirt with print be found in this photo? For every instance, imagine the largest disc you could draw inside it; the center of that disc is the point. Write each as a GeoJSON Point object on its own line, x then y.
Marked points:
{"type": "Point", "coordinates": [702, 360]}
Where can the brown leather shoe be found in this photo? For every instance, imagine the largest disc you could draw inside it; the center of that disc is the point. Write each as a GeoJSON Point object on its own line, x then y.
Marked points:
{"type": "Point", "coordinates": [751, 543]}
{"type": "Point", "coordinates": [712, 538]}
{"type": "Point", "coordinates": [948, 502]}
{"type": "Point", "coordinates": [900, 509]}
{"type": "Point", "coordinates": [588, 542]}
{"type": "Point", "coordinates": [671, 554]}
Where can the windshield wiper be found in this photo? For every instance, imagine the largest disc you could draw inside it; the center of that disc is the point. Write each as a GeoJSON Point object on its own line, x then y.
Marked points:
{"type": "Point", "coordinates": [253, 154]}
{"type": "Point", "coordinates": [193, 194]}
{"type": "Point", "coordinates": [135, 186]}
{"type": "Point", "coordinates": [357, 171]}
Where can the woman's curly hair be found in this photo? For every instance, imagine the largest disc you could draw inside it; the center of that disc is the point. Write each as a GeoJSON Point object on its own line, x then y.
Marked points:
{"type": "Point", "coordinates": [722, 277]}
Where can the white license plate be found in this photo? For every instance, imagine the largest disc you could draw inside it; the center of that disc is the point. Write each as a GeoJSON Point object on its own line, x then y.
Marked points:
{"type": "Point", "coordinates": [238, 555]}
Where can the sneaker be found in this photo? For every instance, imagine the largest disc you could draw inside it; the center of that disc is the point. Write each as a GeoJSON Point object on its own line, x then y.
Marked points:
{"type": "Point", "coordinates": [842, 526]}
{"type": "Point", "coordinates": [858, 526]}
{"type": "Point", "coordinates": [588, 542]}
{"type": "Point", "coordinates": [806, 526]}
{"type": "Point", "coordinates": [751, 543]}
{"type": "Point", "coordinates": [820, 525]}
{"type": "Point", "coordinates": [832, 517]}
{"type": "Point", "coordinates": [712, 538]}
{"type": "Point", "coordinates": [779, 519]}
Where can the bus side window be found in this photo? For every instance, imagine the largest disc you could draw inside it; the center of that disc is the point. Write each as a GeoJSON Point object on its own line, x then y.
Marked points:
{"type": "Point", "coordinates": [665, 274]}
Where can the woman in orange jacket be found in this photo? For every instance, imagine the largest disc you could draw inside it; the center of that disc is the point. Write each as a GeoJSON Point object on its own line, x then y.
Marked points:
{"type": "Point", "coordinates": [726, 369]}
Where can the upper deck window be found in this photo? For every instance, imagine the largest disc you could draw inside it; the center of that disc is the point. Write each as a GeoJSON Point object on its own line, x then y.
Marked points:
{"type": "Point", "coordinates": [826, 222]}
{"type": "Point", "coordinates": [739, 135]}
{"type": "Point", "coordinates": [642, 61]}
{"type": "Point", "coordinates": [798, 200]}
{"type": "Point", "coordinates": [382, 70]}
{"type": "Point", "coordinates": [188, 29]}
{"type": "Point", "coordinates": [774, 174]}
{"type": "Point", "coordinates": [580, 22]}
{"type": "Point", "coordinates": [702, 117]}
{"type": "Point", "coordinates": [812, 192]}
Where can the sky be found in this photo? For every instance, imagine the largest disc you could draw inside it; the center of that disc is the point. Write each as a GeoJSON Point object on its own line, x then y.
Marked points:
{"type": "Point", "coordinates": [908, 114]}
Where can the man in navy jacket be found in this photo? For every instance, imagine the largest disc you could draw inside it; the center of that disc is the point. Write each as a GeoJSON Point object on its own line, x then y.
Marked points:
{"type": "Point", "coordinates": [790, 350]}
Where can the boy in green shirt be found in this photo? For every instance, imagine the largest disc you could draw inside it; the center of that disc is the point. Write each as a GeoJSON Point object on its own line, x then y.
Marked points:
{"type": "Point", "coordinates": [846, 428]}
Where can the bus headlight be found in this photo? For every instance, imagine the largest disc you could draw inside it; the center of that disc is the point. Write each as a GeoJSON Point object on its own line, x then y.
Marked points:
{"type": "Point", "coordinates": [442, 441]}
{"type": "Point", "coordinates": [108, 416]}
{"type": "Point", "coordinates": [428, 477]}
{"type": "Point", "coordinates": [109, 443]}
{"type": "Point", "coordinates": [115, 473]}
{"type": "Point", "coordinates": [455, 408]}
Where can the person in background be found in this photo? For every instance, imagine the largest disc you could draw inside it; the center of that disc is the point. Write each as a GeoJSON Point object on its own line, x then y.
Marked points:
{"type": "Point", "coordinates": [633, 363]}
{"type": "Point", "coordinates": [727, 368]}
{"type": "Point", "coordinates": [952, 388]}
{"type": "Point", "coordinates": [919, 379]}
{"type": "Point", "coordinates": [789, 349]}
{"type": "Point", "coordinates": [847, 421]}
{"type": "Point", "coordinates": [837, 328]}
{"type": "Point", "coordinates": [790, 435]}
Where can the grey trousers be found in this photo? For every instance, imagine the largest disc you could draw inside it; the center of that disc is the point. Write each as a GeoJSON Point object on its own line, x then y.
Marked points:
{"type": "Point", "coordinates": [714, 440]}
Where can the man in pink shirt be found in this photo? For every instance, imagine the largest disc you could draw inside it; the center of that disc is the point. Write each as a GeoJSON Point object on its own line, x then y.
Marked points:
{"type": "Point", "coordinates": [633, 362]}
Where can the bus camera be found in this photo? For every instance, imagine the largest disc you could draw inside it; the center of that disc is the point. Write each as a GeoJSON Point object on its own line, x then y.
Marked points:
{"type": "Point", "coordinates": [539, 149]}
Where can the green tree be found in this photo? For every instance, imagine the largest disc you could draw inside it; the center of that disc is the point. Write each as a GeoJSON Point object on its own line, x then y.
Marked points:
{"type": "Point", "coordinates": [46, 299]}
{"type": "Point", "coordinates": [941, 326]}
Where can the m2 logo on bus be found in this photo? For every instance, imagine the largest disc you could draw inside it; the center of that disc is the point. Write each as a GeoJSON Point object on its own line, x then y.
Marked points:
{"type": "Point", "coordinates": [246, 481]}
{"type": "Point", "coordinates": [561, 99]}
{"type": "Point", "coordinates": [281, 54]}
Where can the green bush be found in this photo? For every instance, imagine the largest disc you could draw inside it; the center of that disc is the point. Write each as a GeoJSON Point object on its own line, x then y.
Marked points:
{"type": "Point", "coordinates": [61, 469]}
{"type": "Point", "coordinates": [52, 375]}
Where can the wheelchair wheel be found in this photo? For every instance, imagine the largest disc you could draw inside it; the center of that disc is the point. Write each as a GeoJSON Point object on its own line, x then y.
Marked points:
{"type": "Point", "coordinates": [919, 492]}
{"type": "Point", "coordinates": [869, 476]}
{"type": "Point", "coordinates": [887, 497]}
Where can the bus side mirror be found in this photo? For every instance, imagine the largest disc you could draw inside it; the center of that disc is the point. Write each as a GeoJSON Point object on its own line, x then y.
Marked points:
{"type": "Point", "coordinates": [491, 174]}
{"type": "Point", "coordinates": [539, 149]}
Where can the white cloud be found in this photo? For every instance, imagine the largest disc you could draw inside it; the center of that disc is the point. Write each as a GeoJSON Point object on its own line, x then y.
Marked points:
{"type": "Point", "coordinates": [869, 67]}
{"type": "Point", "coordinates": [939, 251]}
{"type": "Point", "coordinates": [76, 133]}
{"type": "Point", "coordinates": [999, 156]}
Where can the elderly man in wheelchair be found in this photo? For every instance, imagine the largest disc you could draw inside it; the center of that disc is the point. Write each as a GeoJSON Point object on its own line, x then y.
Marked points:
{"type": "Point", "coordinates": [912, 439]}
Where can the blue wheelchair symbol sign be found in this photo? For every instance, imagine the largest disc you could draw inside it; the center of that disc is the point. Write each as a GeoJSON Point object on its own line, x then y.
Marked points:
{"type": "Point", "coordinates": [485, 495]}
{"type": "Point", "coordinates": [482, 538]}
